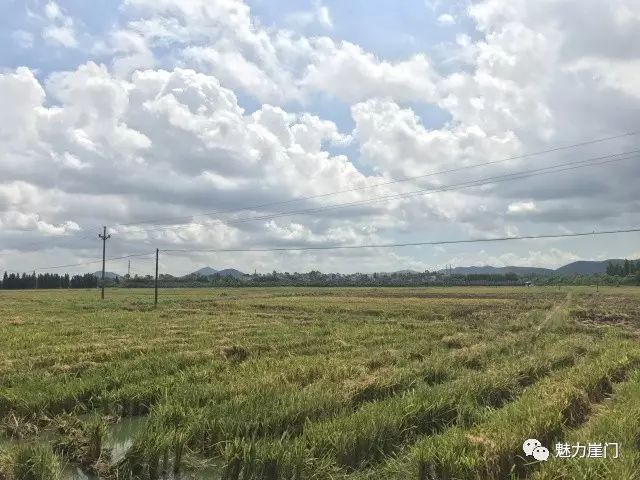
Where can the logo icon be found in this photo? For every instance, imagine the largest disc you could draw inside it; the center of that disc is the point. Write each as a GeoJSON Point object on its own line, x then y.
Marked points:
{"type": "Point", "coordinates": [541, 454]}
{"type": "Point", "coordinates": [532, 447]}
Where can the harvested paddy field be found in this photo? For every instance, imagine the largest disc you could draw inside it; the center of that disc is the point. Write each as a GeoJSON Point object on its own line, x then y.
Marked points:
{"type": "Point", "coordinates": [326, 383]}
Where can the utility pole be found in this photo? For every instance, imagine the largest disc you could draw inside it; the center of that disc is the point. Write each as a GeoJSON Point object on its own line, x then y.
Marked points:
{"type": "Point", "coordinates": [36, 278]}
{"type": "Point", "coordinates": [129, 270]}
{"type": "Point", "coordinates": [104, 237]}
{"type": "Point", "coordinates": [155, 302]}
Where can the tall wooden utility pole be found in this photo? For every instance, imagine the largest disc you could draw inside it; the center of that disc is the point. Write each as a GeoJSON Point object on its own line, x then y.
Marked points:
{"type": "Point", "coordinates": [104, 238]}
{"type": "Point", "coordinates": [155, 302]}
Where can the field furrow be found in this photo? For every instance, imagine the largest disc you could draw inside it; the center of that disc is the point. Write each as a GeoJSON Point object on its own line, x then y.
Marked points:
{"type": "Point", "coordinates": [493, 449]}
{"type": "Point", "coordinates": [319, 384]}
{"type": "Point", "coordinates": [617, 421]}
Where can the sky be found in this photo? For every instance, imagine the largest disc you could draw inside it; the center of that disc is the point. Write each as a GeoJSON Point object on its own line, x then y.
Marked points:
{"type": "Point", "coordinates": [206, 124]}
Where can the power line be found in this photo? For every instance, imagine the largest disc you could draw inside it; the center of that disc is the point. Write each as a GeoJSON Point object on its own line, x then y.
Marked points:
{"type": "Point", "coordinates": [400, 180]}
{"type": "Point", "coordinates": [404, 179]}
{"type": "Point", "coordinates": [568, 166]}
{"type": "Point", "coordinates": [11, 271]}
{"type": "Point", "coordinates": [172, 252]}
{"type": "Point", "coordinates": [409, 244]}
{"type": "Point", "coordinates": [99, 260]}
{"type": "Point", "coordinates": [45, 242]}
{"type": "Point", "coordinates": [390, 182]}
{"type": "Point", "coordinates": [475, 183]}
{"type": "Point", "coordinates": [448, 188]}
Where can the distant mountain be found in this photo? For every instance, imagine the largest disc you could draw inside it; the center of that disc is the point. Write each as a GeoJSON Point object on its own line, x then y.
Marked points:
{"type": "Point", "coordinates": [585, 267]}
{"type": "Point", "coordinates": [205, 272]}
{"type": "Point", "coordinates": [398, 272]}
{"type": "Point", "coordinates": [108, 275]}
{"type": "Point", "coordinates": [230, 272]}
{"type": "Point", "coordinates": [487, 269]}
{"type": "Point", "coordinates": [209, 272]}
{"type": "Point", "coordinates": [582, 267]}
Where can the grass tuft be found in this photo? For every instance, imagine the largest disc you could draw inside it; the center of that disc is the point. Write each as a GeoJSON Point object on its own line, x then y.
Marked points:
{"type": "Point", "coordinates": [36, 462]}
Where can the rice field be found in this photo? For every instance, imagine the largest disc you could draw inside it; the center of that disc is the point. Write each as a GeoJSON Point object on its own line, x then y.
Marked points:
{"type": "Point", "coordinates": [317, 383]}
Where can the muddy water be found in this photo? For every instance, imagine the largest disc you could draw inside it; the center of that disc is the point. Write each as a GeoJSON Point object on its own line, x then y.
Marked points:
{"type": "Point", "coordinates": [207, 474]}
{"type": "Point", "coordinates": [121, 436]}
{"type": "Point", "coordinates": [74, 473]}
{"type": "Point", "coordinates": [120, 439]}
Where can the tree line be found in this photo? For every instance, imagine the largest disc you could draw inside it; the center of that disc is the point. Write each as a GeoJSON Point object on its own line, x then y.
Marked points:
{"type": "Point", "coordinates": [318, 279]}
{"type": "Point", "coordinates": [623, 269]}
{"type": "Point", "coordinates": [618, 273]}
{"type": "Point", "coordinates": [15, 281]}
